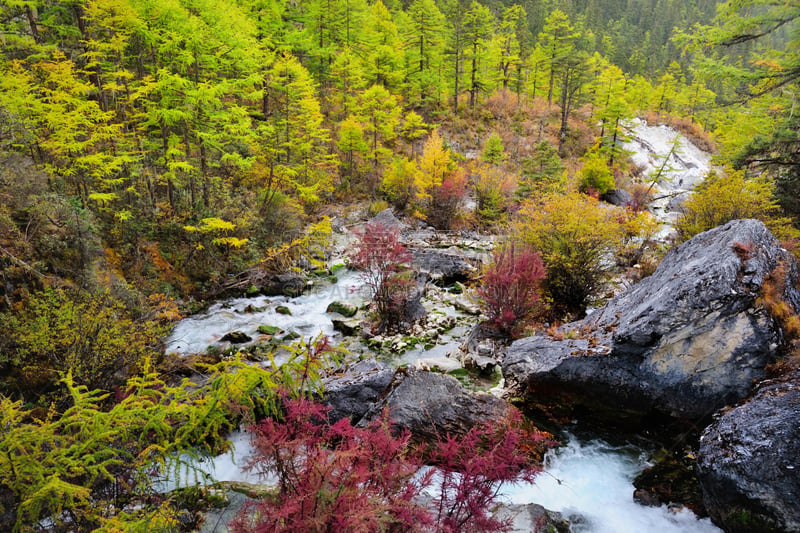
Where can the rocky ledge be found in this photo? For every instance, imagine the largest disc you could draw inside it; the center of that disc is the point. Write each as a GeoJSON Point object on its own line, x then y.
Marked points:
{"type": "Point", "coordinates": [748, 462]}
{"type": "Point", "coordinates": [691, 338]}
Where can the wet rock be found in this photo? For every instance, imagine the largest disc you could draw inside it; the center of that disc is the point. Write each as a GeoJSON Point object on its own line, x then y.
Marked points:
{"type": "Point", "coordinates": [670, 480]}
{"type": "Point", "coordinates": [236, 337]}
{"type": "Point", "coordinates": [533, 517]}
{"type": "Point", "coordinates": [443, 267]}
{"type": "Point", "coordinates": [748, 465]}
{"type": "Point", "coordinates": [288, 284]}
{"type": "Point", "coordinates": [269, 330]}
{"type": "Point", "coordinates": [343, 308]}
{"type": "Point", "coordinates": [684, 342]}
{"type": "Point", "coordinates": [283, 310]}
{"type": "Point", "coordinates": [619, 197]}
{"type": "Point", "coordinates": [353, 390]}
{"type": "Point", "coordinates": [347, 326]}
{"type": "Point", "coordinates": [431, 405]}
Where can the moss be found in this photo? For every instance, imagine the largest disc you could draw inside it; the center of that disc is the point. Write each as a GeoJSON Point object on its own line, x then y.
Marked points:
{"type": "Point", "coordinates": [269, 330]}
{"type": "Point", "coordinates": [338, 267]}
{"type": "Point", "coordinates": [283, 310]}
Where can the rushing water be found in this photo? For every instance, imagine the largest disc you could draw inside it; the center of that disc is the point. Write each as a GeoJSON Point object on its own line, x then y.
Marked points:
{"type": "Point", "coordinates": [308, 317]}
{"type": "Point", "coordinates": [588, 480]}
{"type": "Point", "coordinates": [671, 162]}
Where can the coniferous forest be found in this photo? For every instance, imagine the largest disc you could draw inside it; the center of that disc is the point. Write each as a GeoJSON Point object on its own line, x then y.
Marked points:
{"type": "Point", "coordinates": [159, 155]}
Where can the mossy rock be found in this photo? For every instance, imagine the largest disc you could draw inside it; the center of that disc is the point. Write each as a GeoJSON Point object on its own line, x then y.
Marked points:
{"type": "Point", "coordinates": [338, 267]}
{"type": "Point", "coordinates": [457, 288]}
{"type": "Point", "coordinates": [236, 337]}
{"type": "Point", "coordinates": [269, 330]}
{"type": "Point", "coordinates": [343, 308]}
{"type": "Point", "coordinates": [283, 310]}
{"type": "Point", "coordinates": [291, 336]}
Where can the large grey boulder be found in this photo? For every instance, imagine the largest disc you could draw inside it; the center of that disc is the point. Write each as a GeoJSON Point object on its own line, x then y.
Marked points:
{"type": "Point", "coordinates": [442, 267]}
{"type": "Point", "coordinates": [432, 405]}
{"type": "Point", "coordinates": [686, 341]}
{"type": "Point", "coordinates": [748, 462]}
{"type": "Point", "coordinates": [353, 390]}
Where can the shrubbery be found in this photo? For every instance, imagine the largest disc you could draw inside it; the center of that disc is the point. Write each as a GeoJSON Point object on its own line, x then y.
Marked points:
{"type": "Point", "coordinates": [340, 478]}
{"type": "Point", "coordinates": [576, 239]}
{"type": "Point", "coordinates": [510, 290]}
{"type": "Point", "coordinates": [727, 196]}
{"type": "Point", "coordinates": [384, 264]}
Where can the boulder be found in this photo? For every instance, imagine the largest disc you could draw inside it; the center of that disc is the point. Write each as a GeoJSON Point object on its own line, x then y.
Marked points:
{"type": "Point", "coordinates": [748, 465]}
{"type": "Point", "coordinates": [618, 197]}
{"type": "Point", "coordinates": [353, 390]}
{"type": "Point", "coordinates": [684, 342]}
{"type": "Point", "coordinates": [343, 308]}
{"type": "Point", "coordinates": [442, 267]}
{"type": "Point", "coordinates": [288, 284]}
{"type": "Point", "coordinates": [388, 220]}
{"type": "Point", "coordinates": [431, 405]}
{"type": "Point", "coordinates": [236, 337]}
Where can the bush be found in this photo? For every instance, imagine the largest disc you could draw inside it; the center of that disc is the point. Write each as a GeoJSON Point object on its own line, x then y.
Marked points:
{"type": "Point", "coordinates": [92, 335]}
{"type": "Point", "coordinates": [721, 198]}
{"type": "Point", "coordinates": [384, 265]}
{"type": "Point", "coordinates": [573, 234]}
{"type": "Point", "coordinates": [510, 290]}
{"type": "Point", "coordinates": [493, 189]}
{"type": "Point", "coordinates": [340, 478]}
{"type": "Point", "coordinates": [596, 176]}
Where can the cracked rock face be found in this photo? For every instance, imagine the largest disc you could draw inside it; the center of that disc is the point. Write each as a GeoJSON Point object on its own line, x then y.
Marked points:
{"type": "Point", "coordinates": [748, 463]}
{"type": "Point", "coordinates": [684, 342]}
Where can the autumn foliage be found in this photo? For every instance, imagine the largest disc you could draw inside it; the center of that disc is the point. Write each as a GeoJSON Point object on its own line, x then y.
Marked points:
{"type": "Point", "coordinates": [384, 263]}
{"type": "Point", "coordinates": [510, 290]}
{"type": "Point", "coordinates": [340, 478]}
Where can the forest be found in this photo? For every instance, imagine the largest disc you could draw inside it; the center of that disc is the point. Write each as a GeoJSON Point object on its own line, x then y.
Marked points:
{"type": "Point", "coordinates": [158, 155]}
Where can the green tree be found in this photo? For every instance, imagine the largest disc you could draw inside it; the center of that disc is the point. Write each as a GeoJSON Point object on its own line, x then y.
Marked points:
{"type": "Point", "coordinates": [771, 73]}
{"type": "Point", "coordinates": [478, 27]}
{"type": "Point", "coordinates": [423, 32]}
{"type": "Point", "coordinates": [557, 41]}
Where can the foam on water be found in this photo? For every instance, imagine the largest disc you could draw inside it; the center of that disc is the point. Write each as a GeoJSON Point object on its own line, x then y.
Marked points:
{"type": "Point", "coordinates": [308, 317]}
{"type": "Point", "coordinates": [591, 483]}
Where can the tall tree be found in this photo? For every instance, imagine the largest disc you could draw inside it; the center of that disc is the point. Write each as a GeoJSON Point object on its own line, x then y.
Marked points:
{"type": "Point", "coordinates": [478, 26]}
{"type": "Point", "coordinates": [558, 43]}
{"type": "Point", "coordinates": [424, 38]}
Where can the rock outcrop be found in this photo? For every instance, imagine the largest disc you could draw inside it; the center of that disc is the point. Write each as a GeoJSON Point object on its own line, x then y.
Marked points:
{"type": "Point", "coordinates": [748, 463]}
{"type": "Point", "coordinates": [686, 341]}
{"type": "Point", "coordinates": [442, 267]}
{"type": "Point", "coordinates": [431, 405]}
{"type": "Point", "coordinates": [351, 392]}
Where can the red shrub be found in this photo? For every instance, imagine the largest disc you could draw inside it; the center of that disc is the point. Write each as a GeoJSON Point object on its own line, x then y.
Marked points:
{"type": "Point", "coordinates": [446, 200]}
{"type": "Point", "coordinates": [471, 471]}
{"type": "Point", "coordinates": [340, 478]}
{"type": "Point", "coordinates": [511, 288]}
{"type": "Point", "coordinates": [385, 266]}
{"type": "Point", "coordinates": [332, 477]}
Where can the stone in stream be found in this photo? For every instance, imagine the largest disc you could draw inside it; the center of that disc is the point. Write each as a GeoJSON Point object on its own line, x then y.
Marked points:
{"type": "Point", "coordinates": [343, 308]}
{"type": "Point", "coordinates": [443, 267]}
{"type": "Point", "coordinates": [690, 339]}
{"type": "Point", "coordinates": [748, 463]}
{"type": "Point", "coordinates": [431, 405]}
{"type": "Point", "coordinates": [353, 390]}
{"type": "Point", "coordinates": [236, 337]}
